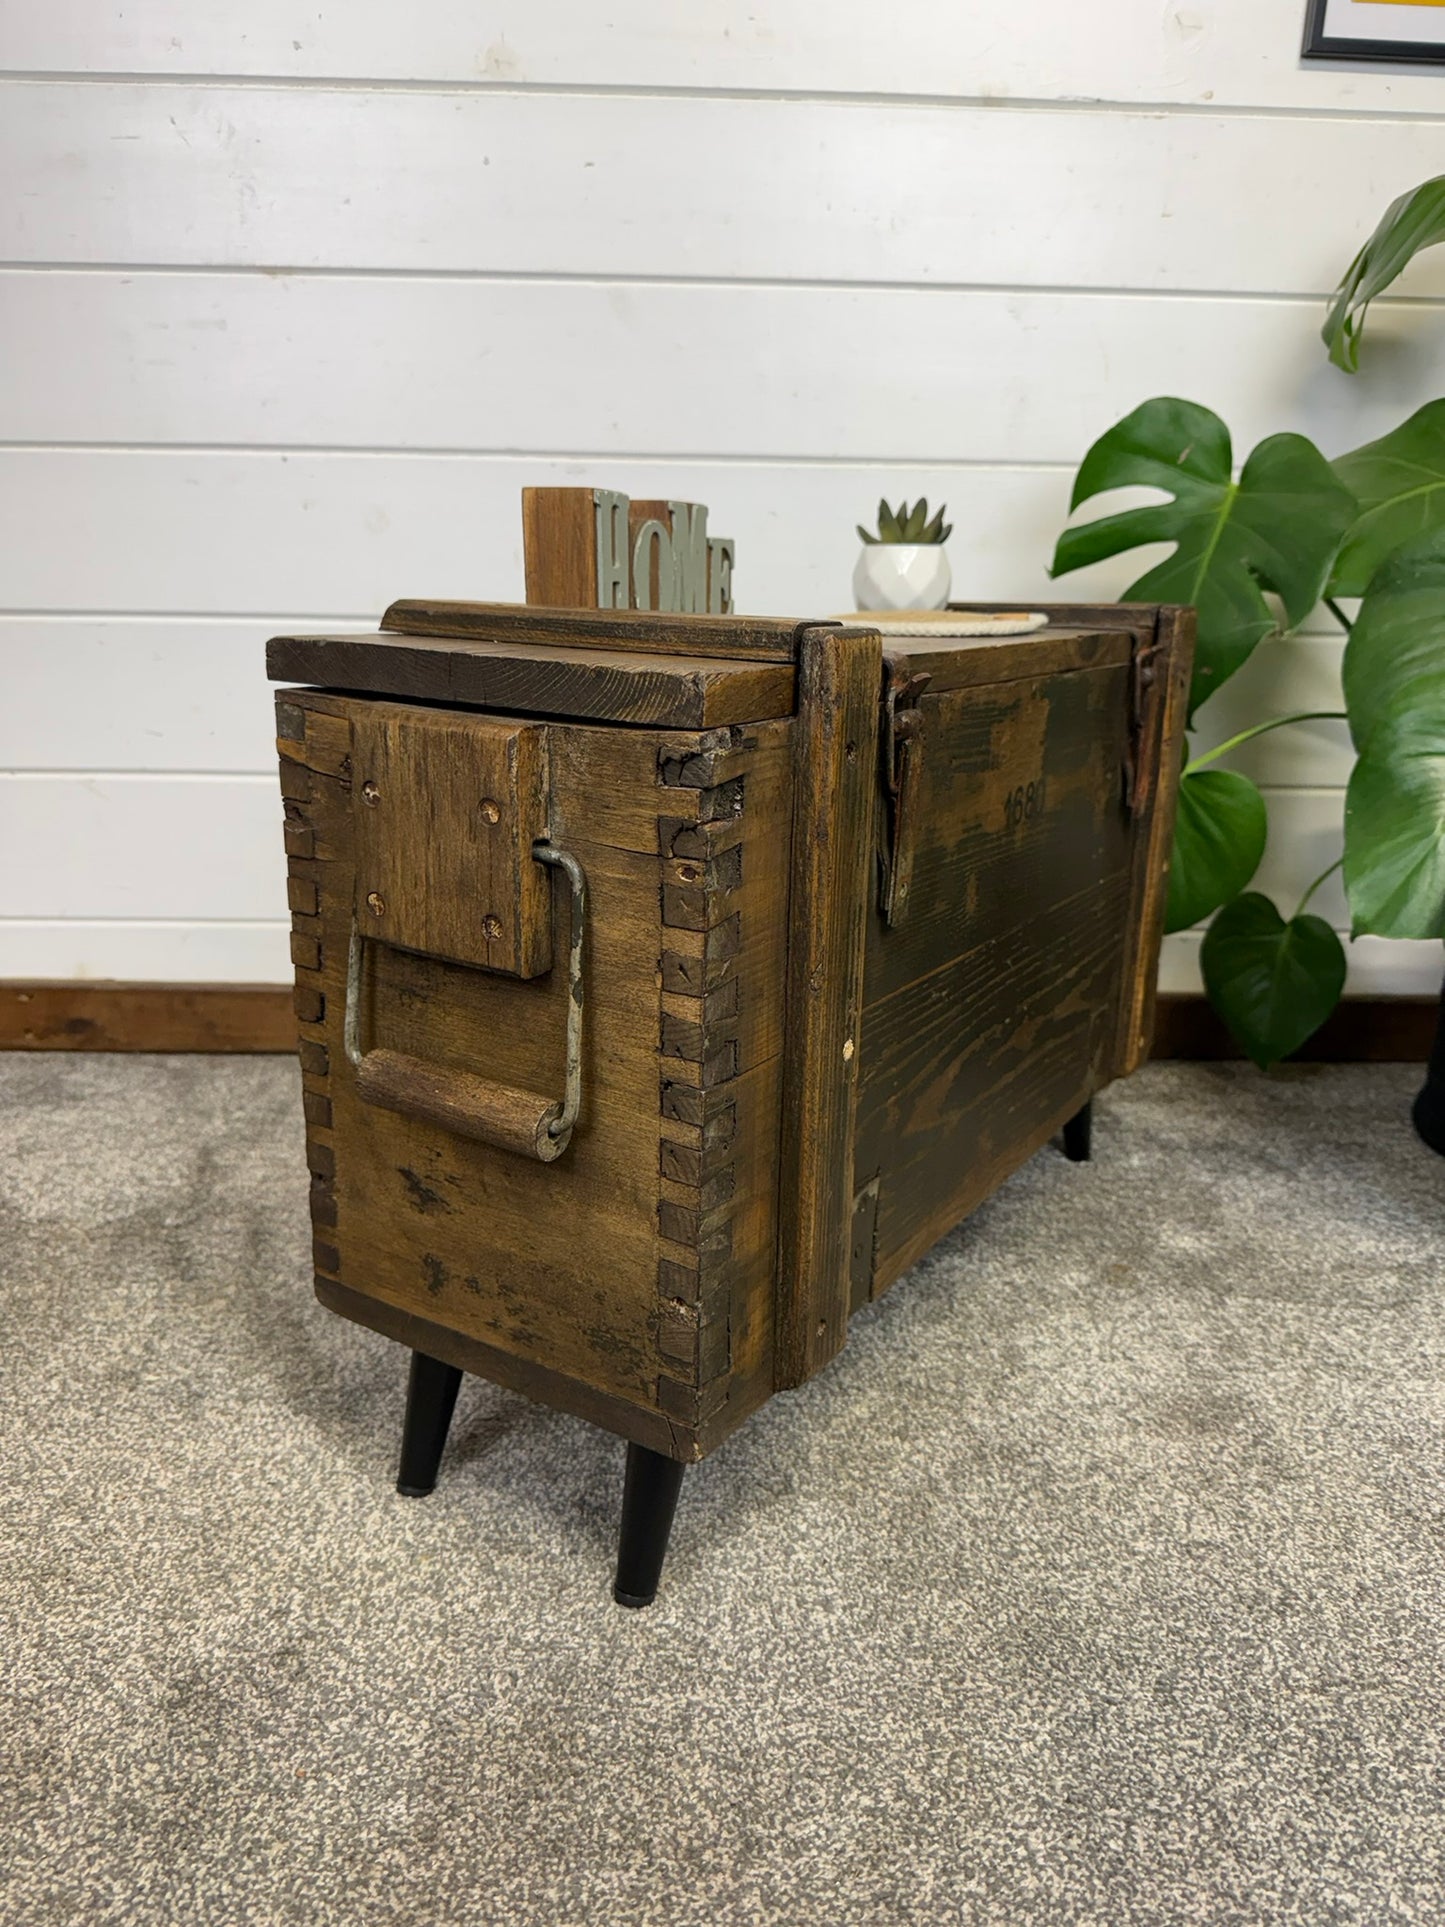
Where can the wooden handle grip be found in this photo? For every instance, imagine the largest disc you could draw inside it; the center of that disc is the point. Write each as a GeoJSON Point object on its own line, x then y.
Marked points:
{"type": "Point", "coordinates": [469, 1106]}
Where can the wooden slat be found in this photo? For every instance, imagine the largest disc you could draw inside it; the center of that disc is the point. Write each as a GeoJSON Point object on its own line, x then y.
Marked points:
{"type": "Point", "coordinates": [1137, 617]}
{"type": "Point", "coordinates": [990, 1002]}
{"type": "Point", "coordinates": [197, 850]}
{"type": "Point", "coordinates": [446, 809]}
{"type": "Point", "coordinates": [679, 692]}
{"type": "Point", "coordinates": [1378, 967]}
{"type": "Point", "coordinates": [1295, 676]}
{"type": "Point", "coordinates": [1221, 52]}
{"type": "Point", "coordinates": [180, 531]}
{"type": "Point", "coordinates": [140, 847]}
{"type": "Point", "coordinates": [331, 360]}
{"type": "Point", "coordinates": [1363, 1030]}
{"type": "Point", "coordinates": [973, 751]}
{"type": "Point", "coordinates": [970, 662]}
{"type": "Point", "coordinates": [638, 631]}
{"type": "Point", "coordinates": [969, 1071]}
{"type": "Point", "coordinates": [1161, 697]}
{"type": "Point", "coordinates": [142, 950]}
{"type": "Point", "coordinates": [182, 694]}
{"type": "Point", "coordinates": [835, 787]}
{"type": "Point", "coordinates": [146, 1017]}
{"type": "Point", "coordinates": [216, 176]}
{"type": "Point", "coordinates": [258, 1018]}
{"type": "Point", "coordinates": [160, 696]}
{"type": "Point", "coordinates": [502, 1367]}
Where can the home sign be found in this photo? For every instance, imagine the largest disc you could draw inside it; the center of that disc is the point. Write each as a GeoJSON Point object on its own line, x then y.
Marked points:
{"type": "Point", "coordinates": [593, 548]}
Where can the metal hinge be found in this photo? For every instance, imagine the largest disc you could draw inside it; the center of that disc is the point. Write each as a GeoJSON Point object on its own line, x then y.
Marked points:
{"type": "Point", "coordinates": [1138, 770]}
{"type": "Point", "coordinates": [902, 759]}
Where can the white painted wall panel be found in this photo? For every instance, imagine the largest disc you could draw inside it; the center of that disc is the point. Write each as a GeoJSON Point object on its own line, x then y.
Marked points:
{"type": "Point", "coordinates": [1284, 678]}
{"type": "Point", "coordinates": [201, 532]}
{"type": "Point", "coordinates": [352, 361]}
{"type": "Point", "coordinates": [186, 694]}
{"type": "Point", "coordinates": [1306, 834]}
{"type": "Point", "coordinates": [1377, 967]}
{"type": "Point", "coordinates": [156, 693]}
{"type": "Point", "coordinates": [711, 188]}
{"type": "Point", "coordinates": [150, 855]}
{"type": "Point", "coordinates": [142, 846]}
{"type": "Point", "coordinates": [779, 259]}
{"type": "Point", "coordinates": [1205, 52]}
{"type": "Point", "coordinates": [153, 846]}
{"type": "Point", "coordinates": [181, 951]}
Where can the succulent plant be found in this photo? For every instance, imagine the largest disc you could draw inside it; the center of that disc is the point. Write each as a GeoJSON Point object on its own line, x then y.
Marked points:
{"type": "Point", "coordinates": [909, 525]}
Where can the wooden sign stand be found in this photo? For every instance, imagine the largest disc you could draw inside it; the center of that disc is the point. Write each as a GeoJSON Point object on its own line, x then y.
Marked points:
{"type": "Point", "coordinates": [591, 548]}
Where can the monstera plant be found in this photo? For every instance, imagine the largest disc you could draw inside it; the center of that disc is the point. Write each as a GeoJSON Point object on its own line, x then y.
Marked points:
{"type": "Point", "coordinates": [1256, 552]}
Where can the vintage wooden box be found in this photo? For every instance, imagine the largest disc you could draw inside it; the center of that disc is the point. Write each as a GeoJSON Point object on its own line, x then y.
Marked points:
{"type": "Point", "coordinates": [859, 925]}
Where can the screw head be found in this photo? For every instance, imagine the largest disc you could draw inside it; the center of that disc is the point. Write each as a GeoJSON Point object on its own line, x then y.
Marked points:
{"type": "Point", "coordinates": [491, 928]}
{"type": "Point", "coordinates": [490, 811]}
{"type": "Point", "coordinates": [370, 794]}
{"type": "Point", "coordinates": [376, 904]}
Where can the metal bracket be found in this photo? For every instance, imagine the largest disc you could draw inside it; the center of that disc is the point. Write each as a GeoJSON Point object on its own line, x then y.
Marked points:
{"type": "Point", "coordinates": [1144, 671]}
{"type": "Point", "coordinates": [473, 1106]}
{"type": "Point", "coordinates": [902, 757]}
{"type": "Point", "coordinates": [561, 1127]}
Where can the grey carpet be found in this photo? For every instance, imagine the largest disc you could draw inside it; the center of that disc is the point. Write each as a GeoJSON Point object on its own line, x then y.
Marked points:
{"type": "Point", "coordinates": [1100, 1580]}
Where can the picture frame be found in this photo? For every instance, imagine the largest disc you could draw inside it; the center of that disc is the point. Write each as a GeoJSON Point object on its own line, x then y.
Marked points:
{"type": "Point", "coordinates": [1405, 32]}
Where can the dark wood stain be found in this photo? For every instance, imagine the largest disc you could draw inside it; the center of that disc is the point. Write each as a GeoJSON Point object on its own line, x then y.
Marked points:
{"type": "Point", "coordinates": [541, 679]}
{"type": "Point", "coordinates": [787, 1097]}
{"type": "Point", "coordinates": [260, 1020]}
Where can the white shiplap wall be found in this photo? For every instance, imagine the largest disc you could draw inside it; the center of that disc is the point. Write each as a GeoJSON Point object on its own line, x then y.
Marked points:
{"type": "Point", "coordinates": [293, 301]}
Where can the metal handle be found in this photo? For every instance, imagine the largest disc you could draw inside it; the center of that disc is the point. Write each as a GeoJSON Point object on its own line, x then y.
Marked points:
{"type": "Point", "coordinates": [460, 1101]}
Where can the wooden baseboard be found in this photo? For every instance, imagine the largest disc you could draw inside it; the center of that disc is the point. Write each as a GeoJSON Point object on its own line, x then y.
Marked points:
{"type": "Point", "coordinates": [258, 1017]}
{"type": "Point", "coordinates": [1362, 1030]}
{"type": "Point", "coordinates": [153, 1017]}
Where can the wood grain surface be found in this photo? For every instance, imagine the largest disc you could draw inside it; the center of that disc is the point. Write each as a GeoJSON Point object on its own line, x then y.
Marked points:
{"type": "Point", "coordinates": [586, 681]}
{"type": "Point", "coordinates": [559, 551]}
{"type": "Point", "coordinates": [990, 1009]}
{"type": "Point", "coordinates": [640, 1264]}
{"type": "Point", "coordinates": [146, 1017]}
{"type": "Point", "coordinates": [447, 807]}
{"type": "Point", "coordinates": [648, 632]}
{"type": "Point", "coordinates": [51, 1014]}
{"type": "Point", "coordinates": [1249, 56]}
{"type": "Point", "coordinates": [1163, 664]}
{"type": "Point", "coordinates": [966, 662]}
{"type": "Point", "coordinates": [835, 782]}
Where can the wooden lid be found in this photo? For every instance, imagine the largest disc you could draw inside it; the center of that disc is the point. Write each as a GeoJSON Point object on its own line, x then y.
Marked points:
{"type": "Point", "coordinates": [758, 638]}
{"type": "Point", "coordinates": [582, 678]}
{"type": "Point", "coordinates": [666, 670]}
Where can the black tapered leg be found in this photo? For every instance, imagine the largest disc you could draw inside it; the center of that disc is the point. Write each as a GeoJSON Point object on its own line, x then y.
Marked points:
{"type": "Point", "coordinates": [649, 1499]}
{"type": "Point", "coordinates": [1078, 1136]}
{"type": "Point", "coordinates": [431, 1396]}
{"type": "Point", "coordinates": [1428, 1110]}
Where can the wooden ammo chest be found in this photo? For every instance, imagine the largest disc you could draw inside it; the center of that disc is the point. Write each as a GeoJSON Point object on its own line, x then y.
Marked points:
{"type": "Point", "coordinates": [668, 984]}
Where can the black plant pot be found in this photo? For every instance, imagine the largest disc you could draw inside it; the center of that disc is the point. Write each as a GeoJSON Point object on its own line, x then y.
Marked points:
{"type": "Point", "coordinates": [1429, 1111]}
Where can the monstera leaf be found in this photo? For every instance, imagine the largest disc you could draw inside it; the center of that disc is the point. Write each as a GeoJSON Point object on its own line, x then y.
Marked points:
{"type": "Point", "coordinates": [1277, 527]}
{"type": "Point", "coordinates": [1274, 983]}
{"type": "Point", "coordinates": [1395, 693]}
{"type": "Point", "coordinates": [1399, 484]}
{"type": "Point", "coordinates": [1219, 837]}
{"type": "Point", "coordinates": [1415, 221]}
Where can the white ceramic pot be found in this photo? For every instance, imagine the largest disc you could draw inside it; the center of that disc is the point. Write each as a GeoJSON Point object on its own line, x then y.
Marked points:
{"type": "Point", "coordinates": [902, 575]}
